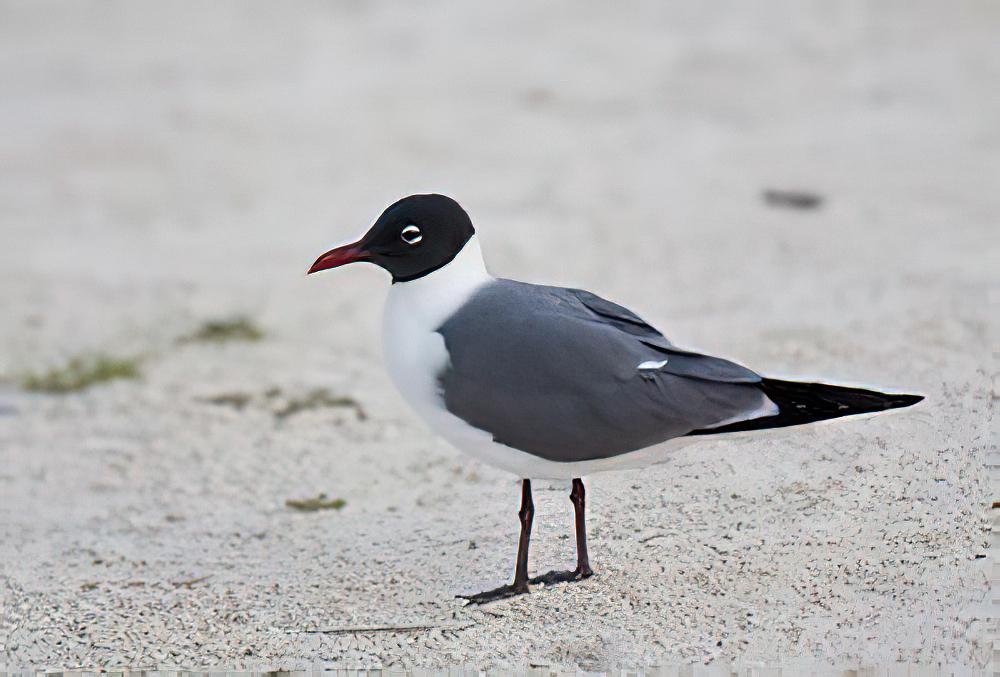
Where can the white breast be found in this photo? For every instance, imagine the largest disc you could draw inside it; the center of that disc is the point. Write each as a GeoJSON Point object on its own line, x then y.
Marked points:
{"type": "Point", "coordinates": [415, 353]}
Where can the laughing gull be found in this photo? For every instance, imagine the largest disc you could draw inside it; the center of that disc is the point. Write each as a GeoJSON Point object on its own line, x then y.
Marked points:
{"type": "Point", "coordinates": [554, 383]}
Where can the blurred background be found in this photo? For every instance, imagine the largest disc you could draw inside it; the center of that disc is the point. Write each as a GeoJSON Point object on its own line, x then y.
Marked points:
{"type": "Point", "coordinates": [806, 187]}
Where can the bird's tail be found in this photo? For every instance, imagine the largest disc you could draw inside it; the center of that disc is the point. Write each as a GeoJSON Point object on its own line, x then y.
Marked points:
{"type": "Point", "coordinates": [800, 402]}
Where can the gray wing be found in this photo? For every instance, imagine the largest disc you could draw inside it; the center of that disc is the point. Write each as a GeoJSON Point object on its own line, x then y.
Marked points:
{"type": "Point", "coordinates": [555, 372]}
{"type": "Point", "coordinates": [685, 362]}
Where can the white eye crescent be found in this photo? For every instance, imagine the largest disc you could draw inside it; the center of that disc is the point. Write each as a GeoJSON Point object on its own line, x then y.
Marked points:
{"type": "Point", "coordinates": [411, 235]}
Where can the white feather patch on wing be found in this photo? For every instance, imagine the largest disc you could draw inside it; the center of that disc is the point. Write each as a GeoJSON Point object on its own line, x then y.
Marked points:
{"type": "Point", "coordinates": [766, 408]}
{"type": "Point", "coordinates": [652, 365]}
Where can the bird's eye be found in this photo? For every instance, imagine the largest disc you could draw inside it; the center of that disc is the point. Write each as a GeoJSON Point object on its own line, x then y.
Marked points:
{"type": "Point", "coordinates": [411, 235]}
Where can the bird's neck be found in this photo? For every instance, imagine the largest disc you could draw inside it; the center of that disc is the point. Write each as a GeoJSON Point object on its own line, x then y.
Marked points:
{"type": "Point", "coordinates": [435, 296]}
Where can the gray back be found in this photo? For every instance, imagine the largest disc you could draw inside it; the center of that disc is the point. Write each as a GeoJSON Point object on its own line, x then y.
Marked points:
{"type": "Point", "coordinates": [554, 372]}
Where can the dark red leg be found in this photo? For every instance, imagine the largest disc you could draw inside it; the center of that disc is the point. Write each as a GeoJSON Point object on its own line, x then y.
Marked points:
{"type": "Point", "coordinates": [520, 585]}
{"type": "Point", "coordinates": [578, 496]}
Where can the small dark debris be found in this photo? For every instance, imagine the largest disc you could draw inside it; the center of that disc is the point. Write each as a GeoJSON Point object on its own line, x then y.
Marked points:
{"type": "Point", "coordinates": [237, 401]}
{"type": "Point", "coordinates": [792, 199]}
{"type": "Point", "coordinates": [191, 582]}
{"type": "Point", "coordinates": [283, 406]}
{"type": "Point", "coordinates": [321, 502]}
{"type": "Point", "coordinates": [318, 399]}
{"type": "Point", "coordinates": [472, 545]}
{"type": "Point", "coordinates": [219, 331]}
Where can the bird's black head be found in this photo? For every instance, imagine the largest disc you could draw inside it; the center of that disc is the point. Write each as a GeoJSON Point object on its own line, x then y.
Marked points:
{"type": "Point", "coordinates": [412, 238]}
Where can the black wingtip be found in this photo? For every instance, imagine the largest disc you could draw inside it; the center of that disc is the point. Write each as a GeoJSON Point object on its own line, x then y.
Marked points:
{"type": "Point", "coordinates": [800, 402]}
{"type": "Point", "coordinates": [900, 401]}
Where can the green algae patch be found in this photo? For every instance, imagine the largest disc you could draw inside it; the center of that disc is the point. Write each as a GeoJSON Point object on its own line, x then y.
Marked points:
{"type": "Point", "coordinates": [320, 502]}
{"type": "Point", "coordinates": [81, 373]}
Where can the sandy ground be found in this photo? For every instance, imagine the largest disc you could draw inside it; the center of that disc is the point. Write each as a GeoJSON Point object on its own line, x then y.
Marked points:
{"type": "Point", "coordinates": [166, 164]}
